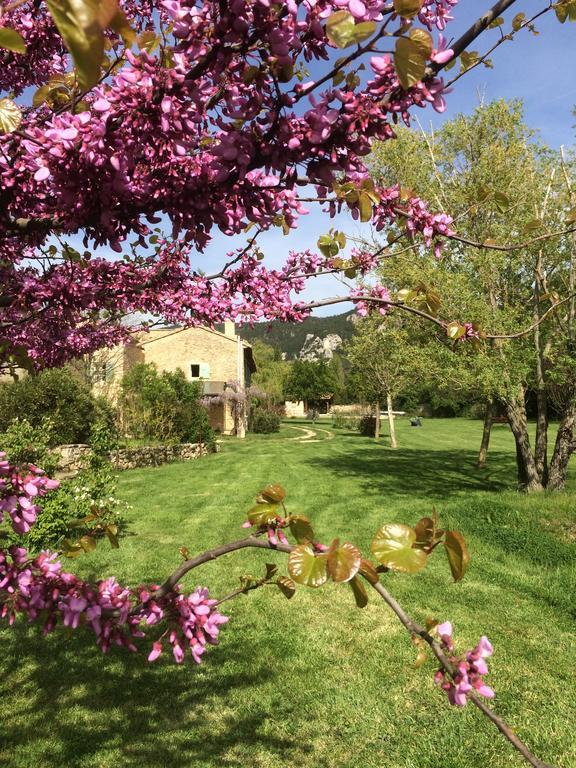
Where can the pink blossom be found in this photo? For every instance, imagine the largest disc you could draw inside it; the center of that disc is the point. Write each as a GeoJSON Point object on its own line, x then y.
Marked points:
{"type": "Point", "coordinates": [469, 671]}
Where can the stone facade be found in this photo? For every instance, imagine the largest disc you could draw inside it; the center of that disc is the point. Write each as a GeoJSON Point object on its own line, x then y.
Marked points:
{"type": "Point", "coordinates": [202, 353]}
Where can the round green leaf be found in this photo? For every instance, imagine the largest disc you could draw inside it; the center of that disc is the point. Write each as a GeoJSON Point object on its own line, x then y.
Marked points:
{"type": "Point", "coordinates": [273, 493]}
{"type": "Point", "coordinates": [392, 546]}
{"type": "Point", "coordinates": [263, 514]}
{"type": "Point", "coordinates": [286, 586]}
{"type": "Point", "coordinates": [409, 61]}
{"type": "Point", "coordinates": [408, 8]}
{"type": "Point", "coordinates": [10, 116]}
{"type": "Point", "coordinates": [88, 543]}
{"type": "Point", "coordinates": [340, 28]}
{"type": "Point", "coordinates": [455, 331]}
{"type": "Point", "coordinates": [12, 40]}
{"type": "Point", "coordinates": [79, 25]}
{"type": "Point", "coordinates": [301, 529]}
{"type": "Point", "coordinates": [306, 567]}
{"type": "Point", "coordinates": [343, 561]}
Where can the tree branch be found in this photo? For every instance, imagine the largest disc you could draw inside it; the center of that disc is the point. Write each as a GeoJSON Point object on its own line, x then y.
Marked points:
{"type": "Point", "coordinates": [475, 31]}
{"type": "Point", "coordinates": [409, 624]}
{"type": "Point", "coordinates": [419, 313]}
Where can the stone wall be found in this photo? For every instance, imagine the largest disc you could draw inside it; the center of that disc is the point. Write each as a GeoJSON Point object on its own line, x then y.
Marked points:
{"type": "Point", "coordinates": [71, 456]}
{"type": "Point", "coordinates": [155, 455]}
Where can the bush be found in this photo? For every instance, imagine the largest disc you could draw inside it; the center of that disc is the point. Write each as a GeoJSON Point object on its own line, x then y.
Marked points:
{"type": "Point", "coordinates": [367, 426]}
{"type": "Point", "coordinates": [163, 406]}
{"type": "Point", "coordinates": [56, 394]}
{"type": "Point", "coordinates": [83, 505]}
{"type": "Point", "coordinates": [264, 422]}
{"type": "Point", "coordinates": [25, 444]}
{"type": "Point", "coordinates": [342, 421]}
{"type": "Point", "coordinates": [53, 521]}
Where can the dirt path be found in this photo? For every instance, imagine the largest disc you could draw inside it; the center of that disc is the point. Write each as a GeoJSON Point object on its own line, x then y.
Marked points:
{"type": "Point", "coordinates": [310, 435]}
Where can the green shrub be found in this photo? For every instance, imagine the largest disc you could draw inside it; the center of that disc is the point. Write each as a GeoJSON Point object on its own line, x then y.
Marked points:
{"type": "Point", "coordinates": [53, 521]}
{"type": "Point", "coordinates": [83, 505]}
{"type": "Point", "coordinates": [367, 426]}
{"type": "Point", "coordinates": [163, 406]}
{"type": "Point", "coordinates": [59, 395]}
{"type": "Point", "coordinates": [342, 421]}
{"type": "Point", "coordinates": [263, 421]}
{"type": "Point", "coordinates": [25, 444]}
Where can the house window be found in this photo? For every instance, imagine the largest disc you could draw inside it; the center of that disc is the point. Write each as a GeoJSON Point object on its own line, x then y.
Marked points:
{"type": "Point", "coordinates": [200, 370]}
{"type": "Point", "coordinates": [103, 372]}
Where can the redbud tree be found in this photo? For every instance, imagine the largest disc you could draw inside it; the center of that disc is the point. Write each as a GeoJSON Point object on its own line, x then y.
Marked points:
{"type": "Point", "coordinates": [141, 128]}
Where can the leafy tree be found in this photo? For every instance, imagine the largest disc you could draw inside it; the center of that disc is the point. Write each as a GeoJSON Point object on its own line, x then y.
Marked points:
{"type": "Point", "coordinates": [498, 180]}
{"type": "Point", "coordinates": [58, 395]}
{"type": "Point", "coordinates": [379, 365]}
{"type": "Point", "coordinates": [271, 371]}
{"type": "Point", "coordinates": [313, 381]}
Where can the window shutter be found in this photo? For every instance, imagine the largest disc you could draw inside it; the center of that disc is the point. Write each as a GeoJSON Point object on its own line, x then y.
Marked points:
{"type": "Point", "coordinates": [204, 370]}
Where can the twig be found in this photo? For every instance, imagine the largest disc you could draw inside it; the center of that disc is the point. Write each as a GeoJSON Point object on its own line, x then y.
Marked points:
{"type": "Point", "coordinates": [410, 625]}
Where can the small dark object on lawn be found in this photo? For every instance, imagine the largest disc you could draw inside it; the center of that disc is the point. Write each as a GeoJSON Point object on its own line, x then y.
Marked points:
{"type": "Point", "coordinates": [416, 422]}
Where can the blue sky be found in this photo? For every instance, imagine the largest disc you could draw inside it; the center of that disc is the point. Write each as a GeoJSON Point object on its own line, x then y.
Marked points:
{"type": "Point", "coordinates": [537, 69]}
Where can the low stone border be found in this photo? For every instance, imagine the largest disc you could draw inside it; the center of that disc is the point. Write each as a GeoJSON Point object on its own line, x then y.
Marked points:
{"type": "Point", "coordinates": [155, 455]}
{"type": "Point", "coordinates": [71, 456]}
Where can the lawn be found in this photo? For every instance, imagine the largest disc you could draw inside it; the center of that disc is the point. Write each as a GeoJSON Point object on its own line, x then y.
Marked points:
{"type": "Point", "coordinates": [315, 682]}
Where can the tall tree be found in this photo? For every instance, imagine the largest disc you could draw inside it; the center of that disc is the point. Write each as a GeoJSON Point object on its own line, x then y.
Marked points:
{"type": "Point", "coordinates": [501, 183]}
{"type": "Point", "coordinates": [271, 370]}
{"type": "Point", "coordinates": [380, 365]}
{"type": "Point", "coordinates": [312, 381]}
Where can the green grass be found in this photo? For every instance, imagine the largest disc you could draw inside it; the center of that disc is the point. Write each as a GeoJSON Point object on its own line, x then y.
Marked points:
{"type": "Point", "coordinates": [315, 682]}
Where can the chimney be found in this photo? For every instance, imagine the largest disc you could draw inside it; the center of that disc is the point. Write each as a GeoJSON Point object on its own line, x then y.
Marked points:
{"type": "Point", "coordinates": [230, 329]}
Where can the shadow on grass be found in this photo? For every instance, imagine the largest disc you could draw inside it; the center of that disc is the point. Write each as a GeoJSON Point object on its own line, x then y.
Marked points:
{"type": "Point", "coordinates": [419, 472]}
{"type": "Point", "coordinates": [78, 706]}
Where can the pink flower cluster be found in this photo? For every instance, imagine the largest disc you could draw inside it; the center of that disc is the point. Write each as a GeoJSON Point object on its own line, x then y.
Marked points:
{"type": "Point", "coordinates": [471, 332]}
{"type": "Point", "coordinates": [46, 54]}
{"type": "Point", "coordinates": [273, 530]}
{"type": "Point", "coordinates": [193, 622]}
{"type": "Point", "coordinates": [436, 13]}
{"type": "Point", "coordinates": [39, 589]}
{"type": "Point", "coordinates": [364, 306]}
{"type": "Point", "coordinates": [217, 133]}
{"type": "Point", "coordinates": [20, 487]}
{"type": "Point", "coordinates": [470, 670]}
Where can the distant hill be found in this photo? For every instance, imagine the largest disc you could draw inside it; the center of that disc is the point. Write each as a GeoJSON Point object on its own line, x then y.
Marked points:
{"type": "Point", "coordinates": [290, 338]}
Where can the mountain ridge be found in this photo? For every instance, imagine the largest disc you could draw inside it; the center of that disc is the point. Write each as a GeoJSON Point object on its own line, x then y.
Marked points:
{"type": "Point", "coordinates": [291, 338]}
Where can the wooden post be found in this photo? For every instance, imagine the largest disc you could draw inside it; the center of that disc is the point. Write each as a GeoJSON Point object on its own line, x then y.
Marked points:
{"type": "Point", "coordinates": [390, 406]}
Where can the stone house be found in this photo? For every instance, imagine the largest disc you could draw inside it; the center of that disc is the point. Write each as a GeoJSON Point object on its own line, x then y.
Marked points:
{"type": "Point", "coordinates": [212, 357]}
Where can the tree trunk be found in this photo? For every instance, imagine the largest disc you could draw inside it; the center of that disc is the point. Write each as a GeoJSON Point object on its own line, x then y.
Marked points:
{"type": "Point", "coordinates": [563, 449]}
{"type": "Point", "coordinates": [541, 445]}
{"type": "Point", "coordinates": [377, 419]}
{"type": "Point", "coordinates": [483, 453]}
{"type": "Point", "coordinates": [528, 478]}
{"type": "Point", "coordinates": [390, 406]}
